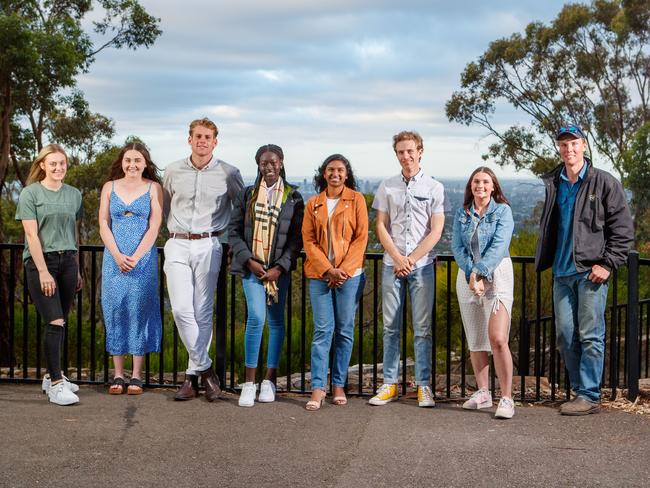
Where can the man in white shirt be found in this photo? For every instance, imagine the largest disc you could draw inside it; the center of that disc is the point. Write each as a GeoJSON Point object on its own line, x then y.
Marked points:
{"type": "Point", "coordinates": [410, 220]}
{"type": "Point", "coordinates": [198, 192]}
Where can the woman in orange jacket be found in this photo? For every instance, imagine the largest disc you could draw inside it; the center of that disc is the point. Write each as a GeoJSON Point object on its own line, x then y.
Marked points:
{"type": "Point", "coordinates": [335, 236]}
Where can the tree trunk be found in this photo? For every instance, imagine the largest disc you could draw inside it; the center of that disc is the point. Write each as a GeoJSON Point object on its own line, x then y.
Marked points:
{"type": "Point", "coordinates": [5, 145]}
{"type": "Point", "coordinates": [5, 133]}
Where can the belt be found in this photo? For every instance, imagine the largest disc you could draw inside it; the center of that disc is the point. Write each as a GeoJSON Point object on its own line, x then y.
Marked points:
{"type": "Point", "coordinates": [59, 253]}
{"type": "Point", "coordinates": [193, 237]}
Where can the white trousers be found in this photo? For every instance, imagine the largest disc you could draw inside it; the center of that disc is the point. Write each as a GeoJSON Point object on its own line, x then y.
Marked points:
{"type": "Point", "coordinates": [192, 269]}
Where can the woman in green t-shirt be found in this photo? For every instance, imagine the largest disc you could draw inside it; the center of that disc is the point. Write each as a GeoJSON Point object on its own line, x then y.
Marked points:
{"type": "Point", "coordinates": [50, 212]}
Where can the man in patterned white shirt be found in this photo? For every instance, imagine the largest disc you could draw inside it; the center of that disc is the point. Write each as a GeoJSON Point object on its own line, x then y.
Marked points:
{"type": "Point", "coordinates": [410, 220]}
{"type": "Point", "coordinates": [198, 192]}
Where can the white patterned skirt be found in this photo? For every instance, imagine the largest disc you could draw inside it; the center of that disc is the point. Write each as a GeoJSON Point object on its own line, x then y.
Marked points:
{"type": "Point", "coordinates": [476, 311]}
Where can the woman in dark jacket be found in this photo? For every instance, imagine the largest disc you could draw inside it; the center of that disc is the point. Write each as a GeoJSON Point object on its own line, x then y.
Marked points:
{"type": "Point", "coordinates": [265, 238]}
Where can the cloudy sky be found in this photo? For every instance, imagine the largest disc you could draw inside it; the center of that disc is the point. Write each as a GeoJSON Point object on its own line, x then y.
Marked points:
{"type": "Point", "coordinates": [314, 77]}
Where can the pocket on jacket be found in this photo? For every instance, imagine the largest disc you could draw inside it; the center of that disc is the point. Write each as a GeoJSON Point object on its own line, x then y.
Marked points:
{"type": "Point", "coordinates": [598, 213]}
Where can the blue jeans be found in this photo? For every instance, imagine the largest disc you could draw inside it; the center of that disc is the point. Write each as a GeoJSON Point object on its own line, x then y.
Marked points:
{"type": "Point", "coordinates": [580, 328]}
{"type": "Point", "coordinates": [422, 287]}
{"type": "Point", "coordinates": [257, 308]}
{"type": "Point", "coordinates": [333, 310]}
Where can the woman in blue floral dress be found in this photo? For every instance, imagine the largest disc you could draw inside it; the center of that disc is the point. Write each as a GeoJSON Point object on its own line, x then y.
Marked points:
{"type": "Point", "coordinates": [130, 214]}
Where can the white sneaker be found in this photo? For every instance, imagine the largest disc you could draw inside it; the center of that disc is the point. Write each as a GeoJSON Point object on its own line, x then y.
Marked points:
{"type": "Point", "coordinates": [47, 382]}
{"type": "Point", "coordinates": [480, 399]}
{"type": "Point", "coordinates": [247, 397]}
{"type": "Point", "coordinates": [506, 409]}
{"type": "Point", "coordinates": [425, 396]}
{"type": "Point", "coordinates": [61, 395]}
{"type": "Point", "coordinates": [267, 392]}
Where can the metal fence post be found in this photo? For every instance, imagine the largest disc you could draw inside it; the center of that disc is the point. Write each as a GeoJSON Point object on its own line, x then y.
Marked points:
{"type": "Point", "coordinates": [632, 326]}
{"type": "Point", "coordinates": [221, 323]}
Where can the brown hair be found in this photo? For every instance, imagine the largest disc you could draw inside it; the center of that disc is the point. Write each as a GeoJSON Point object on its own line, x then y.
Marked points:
{"type": "Point", "coordinates": [204, 122]}
{"type": "Point", "coordinates": [497, 194]}
{"type": "Point", "coordinates": [36, 173]}
{"type": "Point", "coordinates": [150, 171]}
{"type": "Point", "coordinates": [406, 135]}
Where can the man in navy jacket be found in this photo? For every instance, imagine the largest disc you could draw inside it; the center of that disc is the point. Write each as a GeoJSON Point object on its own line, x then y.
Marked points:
{"type": "Point", "coordinates": [586, 231]}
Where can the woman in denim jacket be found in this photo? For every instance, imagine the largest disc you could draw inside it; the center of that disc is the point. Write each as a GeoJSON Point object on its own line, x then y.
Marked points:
{"type": "Point", "coordinates": [484, 286]}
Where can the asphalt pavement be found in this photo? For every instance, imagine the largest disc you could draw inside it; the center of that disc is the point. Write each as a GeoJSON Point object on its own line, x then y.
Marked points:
{"type": "Point", "coordinates": [151, 440]}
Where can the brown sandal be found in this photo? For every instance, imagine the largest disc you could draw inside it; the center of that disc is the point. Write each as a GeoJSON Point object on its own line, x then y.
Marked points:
{"type": "Point", "coordinates": [135, 387]}
{"type": "Point", "coordinates": [117, 388]}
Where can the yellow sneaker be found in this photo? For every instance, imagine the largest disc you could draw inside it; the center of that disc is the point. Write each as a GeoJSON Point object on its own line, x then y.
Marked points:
{"type": "Point", "coordinates": [425, 397]}
{"type": "Point", "coordinates": [385, 394]}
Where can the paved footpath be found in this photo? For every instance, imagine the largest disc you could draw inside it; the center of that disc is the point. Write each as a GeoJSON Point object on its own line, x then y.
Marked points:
{"type": "Point", "coordinates": [152, 440]}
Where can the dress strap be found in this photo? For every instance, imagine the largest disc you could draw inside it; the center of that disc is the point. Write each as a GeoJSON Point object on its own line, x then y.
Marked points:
{"type": "Point", "coordinates": [150, 183]}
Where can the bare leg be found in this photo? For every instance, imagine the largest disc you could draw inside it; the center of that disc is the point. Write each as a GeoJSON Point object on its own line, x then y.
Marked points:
{"type": "Point", "coordinates": [118, 362]}
{"type": "Point", "coordinates": [481, 367]}
{"type": "Point", "coordinates": [250, 375]}
{"type": "Point", "coordinates": [338, 391]}
{"type": "Point", "coordinates": [317, 395]}
{"type": "Point", "coordinates": [137, 367]}
{"type": "Point", "coordinates": [498, 328]}
{"type": "Point", "coordinates": [271, 375]}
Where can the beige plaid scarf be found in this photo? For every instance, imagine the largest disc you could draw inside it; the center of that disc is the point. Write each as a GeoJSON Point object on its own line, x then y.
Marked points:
{"type": "Point", "coordinates": [265, 215]}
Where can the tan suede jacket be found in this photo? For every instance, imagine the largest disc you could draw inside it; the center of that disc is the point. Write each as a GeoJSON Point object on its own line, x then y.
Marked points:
{"type": "Point", "coordinates": [349, 229]}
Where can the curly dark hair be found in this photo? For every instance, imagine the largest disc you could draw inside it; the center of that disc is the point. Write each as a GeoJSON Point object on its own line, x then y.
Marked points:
{"type": "Point", "coordinates": [498, 195]}
{"type": "Point", "coordinates": [320, 184]}
{"type": "Point", "coordinates": [150, 171]}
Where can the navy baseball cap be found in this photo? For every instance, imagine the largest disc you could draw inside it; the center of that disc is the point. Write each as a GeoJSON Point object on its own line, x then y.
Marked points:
{"type": "Point", "coordinates": [572, 130]}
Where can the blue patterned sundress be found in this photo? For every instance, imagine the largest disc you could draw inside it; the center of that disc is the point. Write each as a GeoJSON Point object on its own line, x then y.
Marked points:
{"type": "Point", "coordinates": [130, 300]}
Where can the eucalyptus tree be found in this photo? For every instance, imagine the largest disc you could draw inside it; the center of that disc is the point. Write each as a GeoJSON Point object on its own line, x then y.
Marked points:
{"type": "Point", "coordinates": [45, 46]}
{"type": "Point", "coordinates": [590, 65]}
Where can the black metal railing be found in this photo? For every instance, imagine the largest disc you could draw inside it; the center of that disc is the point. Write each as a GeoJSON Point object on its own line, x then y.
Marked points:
{"type": "Point", "coordinates": [539, 370]}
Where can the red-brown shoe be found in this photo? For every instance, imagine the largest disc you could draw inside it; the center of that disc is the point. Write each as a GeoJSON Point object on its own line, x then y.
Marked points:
{"type": "Point", "coordinates": [210, 382]}
{"type": "Point", "coordinates": [189, 389]}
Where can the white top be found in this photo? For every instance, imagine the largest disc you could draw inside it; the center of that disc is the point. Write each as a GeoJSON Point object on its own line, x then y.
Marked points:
{"type": "Point", "coordinates": [270, 191]}
{"type": "Point", "coordinates": [199, 200]}
{"type": "Point", "coordinates": [331, 205]}
{"type": "Point", "coordinates": [410, 204]}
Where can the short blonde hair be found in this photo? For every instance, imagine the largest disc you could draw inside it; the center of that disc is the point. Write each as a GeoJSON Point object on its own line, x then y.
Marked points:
{"type": "Point", "coordinates": [204, 122]}
{"type": "Point", "coordinates": [36, 173]}
{"type": "Point", "coordinates": [406, 135]}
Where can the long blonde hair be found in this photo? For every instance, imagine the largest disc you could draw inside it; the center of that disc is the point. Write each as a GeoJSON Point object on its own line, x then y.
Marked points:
{"type": "Point", "coordinates": [36, 173]}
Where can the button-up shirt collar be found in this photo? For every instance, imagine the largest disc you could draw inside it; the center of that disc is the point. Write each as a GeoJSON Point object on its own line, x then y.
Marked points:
{"type": "Point", "coordinates": [410, 203]}
{"type": "Point", "coordinates": [199, 200]}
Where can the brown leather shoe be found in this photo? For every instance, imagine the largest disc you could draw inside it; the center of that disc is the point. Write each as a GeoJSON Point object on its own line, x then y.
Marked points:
{"type": "Point", "coordinates": [579, 406]}
{"type": "Point", "coordinates": [189, 389]}
{"type": "Point", "coordinates": [210, 382]}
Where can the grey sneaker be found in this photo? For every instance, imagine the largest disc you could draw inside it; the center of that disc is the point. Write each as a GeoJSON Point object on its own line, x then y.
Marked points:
{"type": "Point", "coordinates": [47, 382]}
{"type": "Point", "coordinates": [267, 392]}
{"type": "Point", "coordinates": [579, 406]}
{"type": "Point", "coordinates": [247, 397]}
{"type": "Point", "coordinates": [506, 409]}
{"type": "Point", "coordinates": [480, 399]}
{"type": "Point", "coordinates": [61, 395]}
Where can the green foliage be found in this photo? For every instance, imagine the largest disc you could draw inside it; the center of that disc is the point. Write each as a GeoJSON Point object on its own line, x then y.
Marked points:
{"type": "Point", "coordinates": [636, 163]}
{"type": "Point", "coordinates": [89, 178]}
{"type": "Point", "coordinates": [79, 129]}
{"type": "Point", "coordinates": [589, 66]}
{"type": "Point", "coordinates": [45, 46]}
